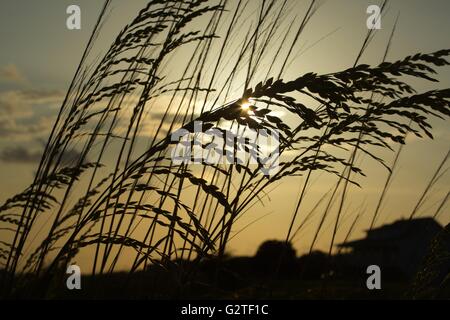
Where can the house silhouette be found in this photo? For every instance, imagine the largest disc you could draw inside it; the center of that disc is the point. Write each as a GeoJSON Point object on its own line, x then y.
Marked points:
{"type": "Point", "coordinates": [400, 246]}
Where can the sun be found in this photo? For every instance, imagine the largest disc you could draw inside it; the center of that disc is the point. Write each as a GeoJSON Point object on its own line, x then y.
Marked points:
{"type": "Point", "coordinates": [246, 106]}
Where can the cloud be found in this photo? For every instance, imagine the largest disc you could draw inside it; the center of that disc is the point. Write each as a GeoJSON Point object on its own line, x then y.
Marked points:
{"type": "Point", "coordinates": [18, 103]}
{"type": "Point", "coordinates": [41, 96]}
{"type": "Point", "coordinates": [25, 114]}
{"type": "Point", "coordinates": [21, 154]}
{"type": "Point", "coordinates": [70, 158]}
{"type": "Point", "coordinates": [14, 104]}
{"type": "Point", "coordinates": [11, 129]}
{"type": "Point", "coordinates": [10, 73]}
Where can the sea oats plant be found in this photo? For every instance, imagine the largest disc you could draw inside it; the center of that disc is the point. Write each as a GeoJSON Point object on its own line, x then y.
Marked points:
{"type": "Point", "coordinates": [124, 197]}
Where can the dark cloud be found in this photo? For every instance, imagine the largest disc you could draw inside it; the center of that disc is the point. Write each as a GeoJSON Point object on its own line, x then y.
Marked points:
{"type": "Point", "coordinates": [20, 154]}
{"type": "Point", "coordinates": [70, 158]}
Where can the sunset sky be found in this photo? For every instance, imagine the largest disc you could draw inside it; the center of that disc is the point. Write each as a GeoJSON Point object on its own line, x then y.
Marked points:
{"type": "Point", "coordinates": [39, 55]}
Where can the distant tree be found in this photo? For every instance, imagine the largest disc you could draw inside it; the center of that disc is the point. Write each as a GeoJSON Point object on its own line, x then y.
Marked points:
{"type": "Point", "coordinates": [314, 265]}
{"type": "Point", "coordinates": [273, 255]}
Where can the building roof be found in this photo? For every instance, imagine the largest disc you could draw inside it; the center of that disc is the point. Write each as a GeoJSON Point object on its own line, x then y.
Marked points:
{"type": "Point", "coordinates": [385, 235]}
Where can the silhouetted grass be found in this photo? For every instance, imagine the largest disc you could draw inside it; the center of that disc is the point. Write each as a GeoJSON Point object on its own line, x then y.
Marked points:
{"type": "Point", "coordinates": [131, 196]}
